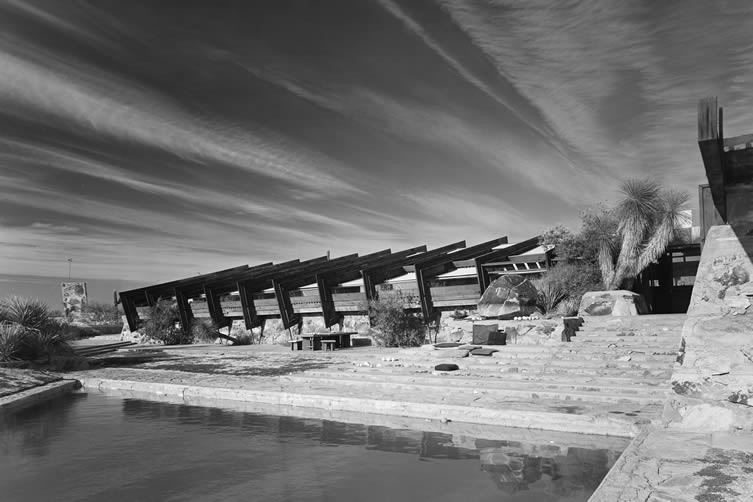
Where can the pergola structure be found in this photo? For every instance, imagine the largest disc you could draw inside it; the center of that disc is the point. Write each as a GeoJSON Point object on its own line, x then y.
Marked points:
{"type": "Point", "coordinates": [446, 278]}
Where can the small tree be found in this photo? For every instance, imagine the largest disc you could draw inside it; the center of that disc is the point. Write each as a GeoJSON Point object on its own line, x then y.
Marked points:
{"type": "Point", "coordinates": [162, 324]}
{"type": "Point", "coordinates": [393, 325]}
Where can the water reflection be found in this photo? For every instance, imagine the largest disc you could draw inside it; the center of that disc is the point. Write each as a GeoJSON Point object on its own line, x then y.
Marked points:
{"type": "Point", "coordinates": [512, 466]}
{"type": "Point", "coordinates": [95, 447]}
{"type": "Point", "coordinates": [33, 430]}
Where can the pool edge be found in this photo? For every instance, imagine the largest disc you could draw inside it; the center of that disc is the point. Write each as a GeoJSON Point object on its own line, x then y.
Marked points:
{"type": "Point", "coordinates": [35, 395]}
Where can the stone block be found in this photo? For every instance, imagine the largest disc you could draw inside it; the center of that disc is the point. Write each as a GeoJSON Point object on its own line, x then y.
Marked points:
{"type": "Point", "coordinates": [612, 303]}
{"type": "Point", "coordinates": [724, 281]}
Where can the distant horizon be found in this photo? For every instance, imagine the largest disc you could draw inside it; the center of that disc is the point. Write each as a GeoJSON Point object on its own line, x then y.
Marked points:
{"type": "Point", "coordinates": [47, 288]}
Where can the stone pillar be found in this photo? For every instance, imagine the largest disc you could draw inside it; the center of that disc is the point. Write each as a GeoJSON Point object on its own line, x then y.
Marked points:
{"type": "Point", "coordinates": [712, 386]}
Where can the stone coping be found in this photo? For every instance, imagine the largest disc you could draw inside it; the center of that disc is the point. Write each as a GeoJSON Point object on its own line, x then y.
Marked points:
{"type": "Point", "coordinates": [34, 395]}
{"type": "Point", "coordinates": [267, 399]}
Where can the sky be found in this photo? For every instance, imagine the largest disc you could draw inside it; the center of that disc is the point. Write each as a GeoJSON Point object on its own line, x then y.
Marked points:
{"type": "Point", "coordinates": [149, 141]}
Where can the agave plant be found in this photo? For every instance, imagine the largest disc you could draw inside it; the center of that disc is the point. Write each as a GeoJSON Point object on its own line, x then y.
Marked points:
{"type": "Point", "coordinates": [638, 230]}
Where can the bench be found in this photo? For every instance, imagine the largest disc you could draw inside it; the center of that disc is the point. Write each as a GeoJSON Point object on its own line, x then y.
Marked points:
{"type": "Point", "coordinates": [296, 344]}
{"type": "Point", "coordinates": [328, 344]}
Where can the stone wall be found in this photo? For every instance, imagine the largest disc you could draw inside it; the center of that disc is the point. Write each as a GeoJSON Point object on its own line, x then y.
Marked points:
{"type": "Point", "coordinates": [713, 382]}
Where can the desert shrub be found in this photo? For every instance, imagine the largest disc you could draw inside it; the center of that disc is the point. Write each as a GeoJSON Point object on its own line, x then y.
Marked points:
{"type": "Point", "coordinates": [575, 279]}
{"type": "Point", "coordinates": [162, 324]}
{"type": "Point", "coordinates": [393, 325]}
{"type": "Point", "coordinates": [549, 295]}
{"type": "Point", "coordinates": [203, 331]}
{"type": "Point", "coordinates": [246, 338]}
{"type": "Point", "coordinates": [30, 331]}
{"type": "Point", "coordinates": [562, 288]}
{"type": "Point", "coordinates": [568, 307]}
{"type": "Point", "coordinates": [100, 312]}
{"type": "Point", "coordinates": [11, 341]}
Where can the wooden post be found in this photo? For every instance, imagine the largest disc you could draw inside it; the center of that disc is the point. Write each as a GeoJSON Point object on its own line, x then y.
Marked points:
{"type": "Point", "coordinates": [215, 308]}
{"type": "Point", "coordinates": [288, 316]}
{"type": "Point", "coordinates": [711, 144]}
{"type": "Point", "coordinates": [184, 309]}
{"type": "Point", "coordinates": [129, 309]}
{"type": "Point", "coordinates": [324, 285]}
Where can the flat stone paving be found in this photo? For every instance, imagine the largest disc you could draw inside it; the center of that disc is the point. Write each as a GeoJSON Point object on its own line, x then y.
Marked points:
{"type": "Point", "coordinates": [14, 380]}
{"type": "Point", "coordinates": [665, 466]}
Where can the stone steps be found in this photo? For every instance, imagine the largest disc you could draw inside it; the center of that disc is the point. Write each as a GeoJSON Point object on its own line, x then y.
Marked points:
{"type": "Point", "coordinates": [542, 368]}
{"type": "Point", "coordinates": [615, 417]}
{"type": "Point", "coordinates": [590, 354]}
{"type": "Point", "coordinates": [544, 362]}
{"type": "Point", "coordinates": [451, 381]}
{"type": "Point", "coordinates": [499, 377]}
{"type": "Point", "coordinates": [438, 389]}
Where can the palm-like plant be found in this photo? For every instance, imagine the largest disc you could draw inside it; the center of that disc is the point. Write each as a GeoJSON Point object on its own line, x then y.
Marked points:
{"type": "Point", "coordinates": [638, 230]}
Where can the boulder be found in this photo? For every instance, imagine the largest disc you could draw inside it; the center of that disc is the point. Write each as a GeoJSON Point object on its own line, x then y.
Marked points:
{"type": "Point", "coordinates": [508, 296]}
{"type": "Point", "coordinates": [612, 303]}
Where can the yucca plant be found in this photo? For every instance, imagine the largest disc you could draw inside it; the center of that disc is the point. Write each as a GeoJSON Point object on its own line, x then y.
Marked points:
{"type": "Point", "coordinates": [40, 333]}
{"type": "Point", "coordinates": [638, 230]}
{"type": "Point", "coordinates": [11, 341]}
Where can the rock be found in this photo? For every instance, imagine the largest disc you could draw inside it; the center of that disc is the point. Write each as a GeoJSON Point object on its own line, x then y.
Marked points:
{"type": "Point", "coordinates": [614, 303]}
{"type": "Point", "coordinates": [483, 352]}
{"type": "Point", "coordinates": [488, 334]}
{"type": "Point", "coordinates": [508, 296]}
{"type": "Point", "coordinates": [446, 367]}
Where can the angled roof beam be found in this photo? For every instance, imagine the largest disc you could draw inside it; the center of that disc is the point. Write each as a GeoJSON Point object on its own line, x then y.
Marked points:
{"type": "Point", "coordinates": [500, 255]}
{"type": "Point", "coordinates": [247, 286]}
{"type": "Point", "coordinates": [372, 276]}
{"type": "Point", "coordinates": [167, 287]}
{"type": "Point", "coordinates": [283, 285]}
{"type": "Point", "coordinates": [327, 281]}
{"type": "Point", "coordinates": [427, 269]}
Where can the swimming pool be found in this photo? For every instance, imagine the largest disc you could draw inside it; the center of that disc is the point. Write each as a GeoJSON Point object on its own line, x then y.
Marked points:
{"type": "Point", "coordinates": [95, 447]}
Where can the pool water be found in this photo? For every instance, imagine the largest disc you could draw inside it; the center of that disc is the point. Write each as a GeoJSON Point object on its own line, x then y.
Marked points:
{"type": "Point", "coordinates": [94, 447]}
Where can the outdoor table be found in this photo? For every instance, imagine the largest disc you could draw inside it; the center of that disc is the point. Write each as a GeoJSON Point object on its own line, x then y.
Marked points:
{"type": "Point", "coordinates": [341, 338]}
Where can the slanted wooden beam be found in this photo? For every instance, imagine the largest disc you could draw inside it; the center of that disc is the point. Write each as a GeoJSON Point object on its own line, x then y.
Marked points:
{"type": "Point", "coordinates": [184, 309]}
{"type": "Point", "coordinates": [500, 255]}
{"type": "Point", "coordinates": [327, 281]}
{"type": "Point", "coordinates": [429, 268]}
{"type": "Point", "coordinates": [166, 288]}
{"type": "Point", "coordinates": [283, 285]}
{"type": "Point", "coordinates": [129, 309]}
{"type": "Point", "coordinates": [262, 281]}
{"type": "Point", "coordinates": [711, 144]}
{"type": "Point", "coordinates": [215, 308]}
{"type": "Point", "coordinates": [372, 276]}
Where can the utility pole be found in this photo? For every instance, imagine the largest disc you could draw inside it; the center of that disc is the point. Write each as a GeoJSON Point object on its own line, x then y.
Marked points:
{"type": "Point", "coordinates": [70, 262]}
